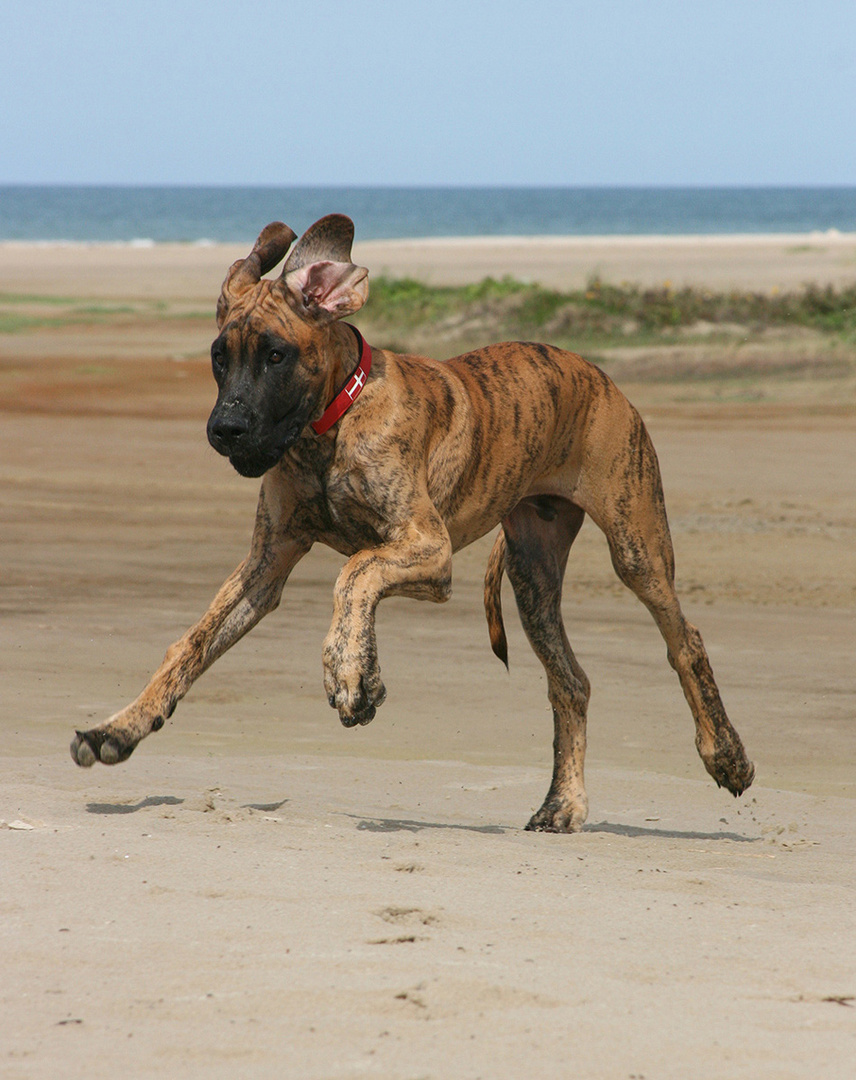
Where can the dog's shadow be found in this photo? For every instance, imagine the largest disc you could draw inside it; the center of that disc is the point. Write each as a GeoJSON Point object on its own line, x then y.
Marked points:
{"type": "Point", "coordinates": [132, 808]}
{"type": "Point", "coordinates": [168, 800]}
{"type": "Point", "coordinates": [632, 831]}
{"type": "Point", "coordinates": [381, 825]}
{"type": "Point", "coordinates": [403, 825]}
{"type": "Point", "coordinates": [636, 831]}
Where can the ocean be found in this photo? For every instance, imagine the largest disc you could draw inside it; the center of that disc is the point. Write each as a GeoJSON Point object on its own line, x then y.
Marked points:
{"type": "Point", "coordinates": [237, 214]}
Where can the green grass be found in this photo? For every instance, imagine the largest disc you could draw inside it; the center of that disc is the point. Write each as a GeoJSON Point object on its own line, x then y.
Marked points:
{"type": "Point", "coordinates": [23, 312]}
{"type": "Point", "coordinates": [17, 322]}
{"type": "Point", "coordinates": [601, 314]}
{"type": "Point", "coordinates": [11, 322]}
{"type": "Point", "coordinates": [605, 310]}
{"type": "Point", "coordinates": [26, 298]}
{"type": "Point", "coordinates": [104, 310]}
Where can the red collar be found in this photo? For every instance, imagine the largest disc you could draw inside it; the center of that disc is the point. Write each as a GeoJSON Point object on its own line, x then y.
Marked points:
{"type": "Point", "coordinates": [350, 391]}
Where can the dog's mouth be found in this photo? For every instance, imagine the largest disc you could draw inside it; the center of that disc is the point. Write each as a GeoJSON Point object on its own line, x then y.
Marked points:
{"type": "Point", "coordinates": [254, 456]}
{"type": "Point", "coordinates": [251, 466]}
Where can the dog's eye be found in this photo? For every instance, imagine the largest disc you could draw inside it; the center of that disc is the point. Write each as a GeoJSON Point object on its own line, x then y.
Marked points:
{"type": "Point", "coordinates": [277, 352]}
{"type": "Point", "coordinates": [218, 358]}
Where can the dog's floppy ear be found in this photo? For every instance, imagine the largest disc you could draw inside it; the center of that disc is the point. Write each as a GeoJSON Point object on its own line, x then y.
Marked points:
{"type": "Point", "coordinates": [319, 280]}
{"type": "Point", "coordinates": [273, 242]}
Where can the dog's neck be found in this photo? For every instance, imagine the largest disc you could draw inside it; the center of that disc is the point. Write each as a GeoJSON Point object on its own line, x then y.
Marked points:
{"type": "Point", "coordinates": [344, 354]}
{"type": "Point", "coordinates": [347, 373]}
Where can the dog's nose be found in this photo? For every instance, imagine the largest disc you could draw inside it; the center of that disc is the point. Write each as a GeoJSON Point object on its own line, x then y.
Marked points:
{"type": "Point", "coordinates": [225, 431]}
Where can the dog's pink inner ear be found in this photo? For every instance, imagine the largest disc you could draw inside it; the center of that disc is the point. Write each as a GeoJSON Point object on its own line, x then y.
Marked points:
{"type": "Point", "coordinates": [329, 289]}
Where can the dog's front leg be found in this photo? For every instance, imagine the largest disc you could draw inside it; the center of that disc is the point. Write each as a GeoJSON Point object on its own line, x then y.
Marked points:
{"type": "Point", "coordinates": [415, 562]}
{"type": "Point", "coordinates": [245, 597]}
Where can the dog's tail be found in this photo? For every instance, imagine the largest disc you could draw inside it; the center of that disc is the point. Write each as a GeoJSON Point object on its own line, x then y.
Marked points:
{"type": "Point", "coordinates": [493, 600]}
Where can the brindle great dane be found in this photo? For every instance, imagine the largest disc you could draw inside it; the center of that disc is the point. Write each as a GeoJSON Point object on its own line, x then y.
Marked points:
{"type": "Point", "coordinates": [429, 457]}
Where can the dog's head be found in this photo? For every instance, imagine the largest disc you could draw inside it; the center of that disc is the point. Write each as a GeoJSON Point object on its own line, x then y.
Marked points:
{"type": "Point", "coordinates": [272, 357]}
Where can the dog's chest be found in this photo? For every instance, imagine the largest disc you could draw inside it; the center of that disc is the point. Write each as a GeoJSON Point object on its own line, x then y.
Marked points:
{"type": "Point", "coordinates": [334, 502]}
{"type": "Point", "coordinates": [352, 511]}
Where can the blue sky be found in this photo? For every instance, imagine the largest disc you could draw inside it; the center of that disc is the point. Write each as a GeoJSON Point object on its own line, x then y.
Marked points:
{"type": "Point", "coordinates": [429, 92]}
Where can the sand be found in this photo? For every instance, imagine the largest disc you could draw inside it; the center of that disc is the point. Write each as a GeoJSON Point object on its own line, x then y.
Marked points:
{"type": "Point", "coordinates": [260, 892]}
{"type": "Point", "coordinates": [194, 271]}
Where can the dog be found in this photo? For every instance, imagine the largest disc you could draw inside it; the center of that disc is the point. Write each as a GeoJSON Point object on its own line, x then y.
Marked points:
{"type": "Point", "coordinates": [396, 462]}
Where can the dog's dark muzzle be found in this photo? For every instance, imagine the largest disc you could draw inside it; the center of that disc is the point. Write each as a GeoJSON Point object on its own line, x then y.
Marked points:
{"type": "Point", "coordinates": [234, 433]}
{"type": "Point", "coordinates": [229, 430]}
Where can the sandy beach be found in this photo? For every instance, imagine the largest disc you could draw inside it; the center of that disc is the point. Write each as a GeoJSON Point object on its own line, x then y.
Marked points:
{"type": "Point", "coordinates": [194, 271]}
{"type": "Point", "coordinates": [260, 892]}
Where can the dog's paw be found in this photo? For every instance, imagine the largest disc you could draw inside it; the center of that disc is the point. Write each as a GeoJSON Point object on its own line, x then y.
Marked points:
{"type": "Point", "coordinates": [559, 816]}
{"type": "Point", "coordinates": [726, 761]}
{"type": "Point", "coordinates": [116, 739]}
{"type": "Point", "coordinates": [360, 707]}
{"type": "Point", "coordinates": [100, 744]}
{"type": "Point", "coordinates": [353, 688]}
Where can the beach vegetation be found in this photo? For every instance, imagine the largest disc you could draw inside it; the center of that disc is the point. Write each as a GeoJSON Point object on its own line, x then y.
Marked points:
{"type": "Point", "coordinates": [603, 310]}
{"type": "Point", "coordinates": [726, 345]}
{"type": "Point", "coordinates": [407, 310]}
{"type": "Point", "coordinates": [22, 312]}
{"type": "Point", "coordinates": [729, 346]}
{"type": "Point", "coordinates": [7, 299]}
{"type": "Point", "coordinates": [16, 322]}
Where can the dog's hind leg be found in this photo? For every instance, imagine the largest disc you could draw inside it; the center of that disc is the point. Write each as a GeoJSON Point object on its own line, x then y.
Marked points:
{"type": "Point", "coordinates": [538, 536]}
{"type": "Point", "coordinates": [632, 514]}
